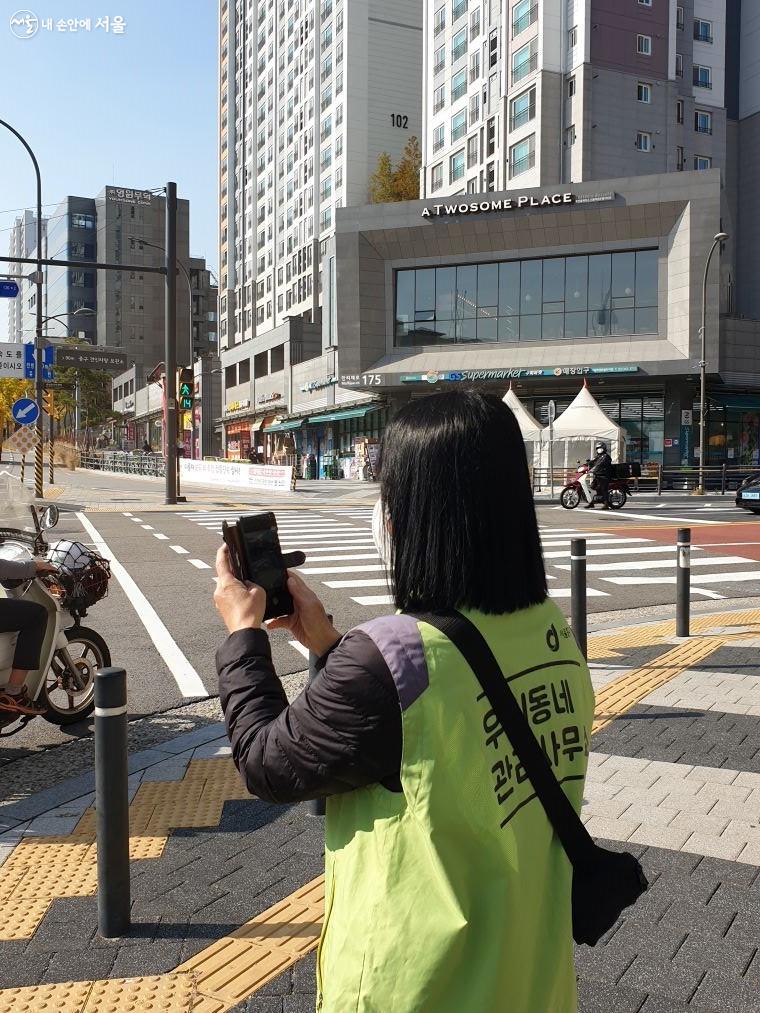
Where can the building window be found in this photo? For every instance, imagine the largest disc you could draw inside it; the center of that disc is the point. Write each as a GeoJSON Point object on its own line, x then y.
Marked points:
{"type": "Point", "coordinates": [524, 61]}
{"type": "Point", "coordinates": [702, 122]}
{"type": "Point", "coordinates": [436, 177]}
{"type": "Point", "coordinates": [456, 166]}
{"type": "Point", "coordinates": [679, 65]}
{"type": "Point", "coordinates": [439, 137]}
{"type": "Point", "coordinates": [702, 162]}
{"type": "Point", "coordinates": [472, 151]}
{"type": "Point", "coordinates": [679, 17]}
{"type": "Point", "coordinates": [458, 85]}
{"type": "Point", "coordinates": [531, 300]}
{"type": "Point", "coordinates": [474, 108]}
{"type": "Point", "coordinates": [459, 45]}
{"type": "Point", "coordinates": [679, 110]}
{"type": "Point", "coordinates": [493, 49]}
{"type": "Point", "coordinates": [572, 38]}
{"type": "Point", "coordinates": [522, 156]}
{"type": "Point", "coordinates": [644, 92]}
{"type": "Point", "coordinates": [644, 140]}
{"type": "Point", "coordinates": [522, 109]}
{"type": "Point", "coordinates": [570, 136]}
{"type": "Point", "coordinates": [645, 3]}
{"type": "Point", "coordinates": [439, 20]}
{"type": "Point", "coordinates": [458, 125]}
{"type": "Point", "coordinates": [702, 76]}
{"type": "Point", "coordinates": [439, 98]}
{"type": "Point", "coordinates": [703, 30]}
{"type": "Point", "coordinates": [475, 23]}
{"type": "Point", "coordinates": [325, 219]}
{"type": "Point", "coordinates": [474, 66]}
{"type": "Point", "coordinates": [458, 10]}
{"type": "Point", "coordinates": [644, 45]}
{"type": "Point", "coordinates": [570, 87]}
{"type": "Point", "coordinates": [80, 221]}
{"type": "Point", "coordinates": [439, 60]}
{"type": "Point", "coordinates": [490, 138]}
{"type": "Point", "coordinates": [524, 14]}
{"type": "Point", "coordinates": [680, 159]}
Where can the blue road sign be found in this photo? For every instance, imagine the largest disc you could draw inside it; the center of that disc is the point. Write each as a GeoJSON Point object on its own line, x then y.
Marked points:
{"type": "Point", "coordinates": [48, 355]}
{"type": "Point", "coordinates": [8, 289]}
{"type": "Point", "coordinates": [25, 411]}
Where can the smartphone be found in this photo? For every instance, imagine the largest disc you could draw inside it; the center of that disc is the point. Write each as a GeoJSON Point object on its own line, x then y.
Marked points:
{"type": "Point", "coordinates": [255, 554]}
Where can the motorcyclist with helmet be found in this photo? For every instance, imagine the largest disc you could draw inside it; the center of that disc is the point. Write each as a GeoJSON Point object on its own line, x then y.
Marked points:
{"type": "Point", "coordinates": [600, 476]}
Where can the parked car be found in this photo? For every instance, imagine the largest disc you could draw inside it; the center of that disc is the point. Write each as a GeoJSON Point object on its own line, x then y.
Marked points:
{"type": "Point", "coordinates": [748, 494]}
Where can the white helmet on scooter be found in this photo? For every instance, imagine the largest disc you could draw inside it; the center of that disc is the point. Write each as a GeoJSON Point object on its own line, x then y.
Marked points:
{"type": "Point", "coordinates": [69, 556]}
{"type": "Point", "coordinates": [83, 575]}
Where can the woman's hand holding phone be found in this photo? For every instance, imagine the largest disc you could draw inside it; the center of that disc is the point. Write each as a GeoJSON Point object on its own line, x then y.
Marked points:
{"type": "Point", "coordinates": [240, 605]}
{"type": "Point", "coordinates": [309, 624]}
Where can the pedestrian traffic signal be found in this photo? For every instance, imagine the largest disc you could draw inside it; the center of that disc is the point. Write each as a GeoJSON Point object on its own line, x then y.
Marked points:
{"type": "Point", "coordinates": [185, 389]}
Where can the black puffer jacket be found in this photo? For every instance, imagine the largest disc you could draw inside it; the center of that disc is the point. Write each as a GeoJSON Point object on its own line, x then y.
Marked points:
{"type": "Point", "coordinates": [343, 731]}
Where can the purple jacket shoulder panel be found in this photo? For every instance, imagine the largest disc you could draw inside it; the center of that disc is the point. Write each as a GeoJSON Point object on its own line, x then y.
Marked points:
{"type": "Point", "coordinates": [398, 640]}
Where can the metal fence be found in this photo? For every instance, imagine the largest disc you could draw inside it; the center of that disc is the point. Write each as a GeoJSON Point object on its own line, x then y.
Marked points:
{"type": "Point", "coordinates": [121, 463]}
{"type": "Point", "coordinates": [719, 479]}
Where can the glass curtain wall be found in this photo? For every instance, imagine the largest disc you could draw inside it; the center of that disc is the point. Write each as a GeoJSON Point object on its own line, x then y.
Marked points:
{"type": "Point", "coordinates": [530, 300]}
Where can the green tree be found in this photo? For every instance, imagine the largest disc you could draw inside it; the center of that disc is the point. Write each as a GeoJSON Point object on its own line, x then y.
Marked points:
{"type": "Point", "coordinates": [95, 394]}
{"type": "Point", "coordinates": [407, 176]}
{"type": "Point", "coordinates": [382, 189]}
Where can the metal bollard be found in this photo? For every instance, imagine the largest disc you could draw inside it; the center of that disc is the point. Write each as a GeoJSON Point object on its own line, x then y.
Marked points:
{"type": "Point", "coordinates": [578, 612]}
{"type": "Point", "coordinates": [112, 802]}
{"type": "Point", "coordinates": [683, 582]}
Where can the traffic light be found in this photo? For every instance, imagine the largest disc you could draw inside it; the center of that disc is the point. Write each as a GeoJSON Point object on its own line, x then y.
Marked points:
{"type": "Point", "coordinates": [48, 402]}
{"type": "Point", "coordinates": [185, 389]}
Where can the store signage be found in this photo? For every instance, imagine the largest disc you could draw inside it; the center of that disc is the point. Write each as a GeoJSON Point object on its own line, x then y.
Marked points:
{"type": "Point", "coordinates": [268, 398]}
{"type": "Point", "coordinates": [502, 204]}
{"type": "Point", "coordinates": [470, 375]}
{"type": "Point", "coordinates": [312, 385]}
{"type": "Point", "coordinates": [122, 196]}
{"type": "Point", "coordinates": [238, 406]}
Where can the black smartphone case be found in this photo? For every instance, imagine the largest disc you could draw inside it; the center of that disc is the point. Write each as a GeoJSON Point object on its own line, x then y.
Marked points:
{"type": "Point", "coordinates": [279, 604]}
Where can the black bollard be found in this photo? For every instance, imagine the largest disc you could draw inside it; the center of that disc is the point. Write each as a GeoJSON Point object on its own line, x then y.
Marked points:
{"type": "Point", "coordinates": [112, 802]}
{"type": "Point", "coordinates": [683, 582]}
{"type": "Point", "coordinates": [578, 613]}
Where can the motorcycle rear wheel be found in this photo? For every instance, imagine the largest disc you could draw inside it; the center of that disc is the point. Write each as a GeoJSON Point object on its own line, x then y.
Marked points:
{"type": "Point", "coordinates": [617, 498]}
{"type": "Point", "coordinates": [570, 498]}
{"type": "Point", "coordinates": [56, 694]}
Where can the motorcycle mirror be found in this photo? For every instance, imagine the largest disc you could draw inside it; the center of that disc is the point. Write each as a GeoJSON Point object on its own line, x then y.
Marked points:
{"type": "Point", "coordinates": [49, 517]}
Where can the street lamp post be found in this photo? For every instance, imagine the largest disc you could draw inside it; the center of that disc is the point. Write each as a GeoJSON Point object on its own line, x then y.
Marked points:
{"type": "Point", "coordinates": [721, 237]}
{"type": "Point", "coordinates": [38, 280]}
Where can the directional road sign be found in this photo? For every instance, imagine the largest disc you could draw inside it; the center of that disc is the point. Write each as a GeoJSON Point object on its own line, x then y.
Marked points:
{"type": "Point", "coordinates": [30, 370]}
{"type": "Point", "coordinates": [92, 357]}
{"type": "Point", "coordinates": [8, 289]}
{"type": "Point", "coordinates": [25, 411]}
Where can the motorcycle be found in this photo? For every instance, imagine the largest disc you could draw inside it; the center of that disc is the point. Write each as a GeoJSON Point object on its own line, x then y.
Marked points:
{"type": "Point", "coordinates": [579, 491]}
{"type": "Point", "coordinates": [71, 653]}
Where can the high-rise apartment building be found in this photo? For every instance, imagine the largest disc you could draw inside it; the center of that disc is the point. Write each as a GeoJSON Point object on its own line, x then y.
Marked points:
{"type": "Point", "coordinates": [311, 92]}
{"type": "Point", "coordinates": [22, 310]}
{"type": "Point", "coordinates": [524, 93]}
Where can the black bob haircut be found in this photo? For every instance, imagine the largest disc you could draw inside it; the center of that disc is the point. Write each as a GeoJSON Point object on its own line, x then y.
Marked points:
{"type": "Point", "coordinates": [455, 487]}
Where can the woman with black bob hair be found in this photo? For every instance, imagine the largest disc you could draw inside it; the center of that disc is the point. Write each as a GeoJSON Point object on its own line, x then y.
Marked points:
{"type": "Point", "coordinates": [446, 889]}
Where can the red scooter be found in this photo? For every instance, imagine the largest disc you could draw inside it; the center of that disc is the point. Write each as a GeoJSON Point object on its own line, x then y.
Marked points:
{"type": "Point", "coordinates": [579, 490]}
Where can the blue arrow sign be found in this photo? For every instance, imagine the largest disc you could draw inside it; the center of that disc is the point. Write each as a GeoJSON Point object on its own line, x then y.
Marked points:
{"type": "Point", "coordinates": [8, 289]}
{"type": "Point", "coordinates": [25, 411]}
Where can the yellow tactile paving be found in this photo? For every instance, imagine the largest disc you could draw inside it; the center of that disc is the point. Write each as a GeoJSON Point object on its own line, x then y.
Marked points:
{"type": "Point", "coordinates": [68, 997]}
{"type": "Point", "coordinates": [169, 992]}
{"type": "Point", "coordinates": [43, 868]}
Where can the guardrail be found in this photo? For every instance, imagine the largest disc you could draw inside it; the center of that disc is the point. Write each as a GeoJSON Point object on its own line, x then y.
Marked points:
{"type": "Point", "coordinates": [121, 463]}
{"type": "Point", "coordinates": [722, 479]}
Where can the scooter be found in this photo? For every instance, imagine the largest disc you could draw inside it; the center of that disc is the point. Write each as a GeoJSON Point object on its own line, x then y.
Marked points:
{"type": "Point", "coordinates": [71, 653]}
{"type": "Point", "coordinates": [579, 491]}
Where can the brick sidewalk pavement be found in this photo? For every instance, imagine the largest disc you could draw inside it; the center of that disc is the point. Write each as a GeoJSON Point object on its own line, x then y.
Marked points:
{"type": "Point", "coordinates": [227, 889]}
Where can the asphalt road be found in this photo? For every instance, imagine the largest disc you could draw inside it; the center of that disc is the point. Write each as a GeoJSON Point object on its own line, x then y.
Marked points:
{"type": "Point", "coordinates": [161, 625]}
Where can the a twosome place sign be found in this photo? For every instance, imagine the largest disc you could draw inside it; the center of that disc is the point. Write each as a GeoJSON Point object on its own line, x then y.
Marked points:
{"type": "Point", "coordinates": [497, 204]}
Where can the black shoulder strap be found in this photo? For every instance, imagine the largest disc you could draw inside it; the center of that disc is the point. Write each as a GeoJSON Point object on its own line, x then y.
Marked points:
{"type": "Point", "coordinates": [474, 648]}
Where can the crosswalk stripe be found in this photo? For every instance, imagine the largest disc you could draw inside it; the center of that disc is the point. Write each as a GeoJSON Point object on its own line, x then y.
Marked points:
{"type": "Point", "coordinates": [299, 647]}
{"type": "Point", "coordinates": [362, 582]}
{"type": "Point", "coordinates": [374, 599]}
{"type": "Point", "coordinates": [565, 592]}
{"type": "Point", "coordinates": [703, 578]}
{"type": "Point", "coordinates": [199, 564]}
{"type": "Point", "coordinates": [341, 569]}
{"type": "Point", "coordinates": [556, 542]}
{"type": "Point", "coordinates": [335, 559]}
{"type": "Point", "coordinates": [638, 550]}
{"type": "Point", "coordinates": [658, 564]}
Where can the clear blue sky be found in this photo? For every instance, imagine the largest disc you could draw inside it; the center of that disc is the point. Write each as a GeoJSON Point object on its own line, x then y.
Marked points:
{"type": "Point", "coordinates": [135, 109]}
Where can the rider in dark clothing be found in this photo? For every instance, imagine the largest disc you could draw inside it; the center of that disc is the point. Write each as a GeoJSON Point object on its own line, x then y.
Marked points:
{"type": "Point", "coordinates": [600, 474]}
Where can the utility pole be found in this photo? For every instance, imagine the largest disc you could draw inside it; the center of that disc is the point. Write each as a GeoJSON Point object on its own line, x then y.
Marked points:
{"type": "Point", "coordinates": [170, 344]}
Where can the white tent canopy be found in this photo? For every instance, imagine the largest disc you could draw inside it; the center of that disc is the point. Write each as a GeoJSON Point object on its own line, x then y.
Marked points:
{"type": "Point", "coordinates": [583, 423]}
{"type": "Point", "coordinates": [531, 429]}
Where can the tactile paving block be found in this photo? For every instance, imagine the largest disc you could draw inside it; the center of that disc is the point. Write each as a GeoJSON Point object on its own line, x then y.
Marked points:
{"type": "Point", "coordinates": [21, 916]}
{"type": "Point", "coordinates": [170, 992]}
{"type": "Point", "coordinates": [68, 997]}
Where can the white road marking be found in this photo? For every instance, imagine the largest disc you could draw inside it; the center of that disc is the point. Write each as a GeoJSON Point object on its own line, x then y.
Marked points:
{"type": "Point", "coordinates": [704, 578]}
{"type": "Point", "coordinates": [374, 599]}
{"type": "Point", "coordinates": [148, 527]}
{"type": "Point", "coordinates": [160, 537]}
{"type": "Point", "coordinates": [335, 559]}
{"type": "Point", "coordinates": [299, 647]}
{"type": "Point", "coordinates": [642, 549]}
{"type": "Point", "coordinates": [137, 520]}
{"type": "Point", "coordinates": [199, 564]}
{"type": "Point", "coordinates": [713, 595]}
{"type": "Point", "coordinates": [555, 542]}
{"type": "Point", "coordinates": [179, 550]}
{"type": "Point", "coordinates": [126, 515]}
{"type": "Point", "coordinates": [624, 514]}
{"type": "Point", "coordinates": [187, 679]}
{"type": "Point", "coordinates": [565, 592]}
{"type": "Point", "coordinates": [361, 582]}
{"type": "Point", "coordinates": [340, 569]}
{"type": "Point", "coordinates": [656, 564]}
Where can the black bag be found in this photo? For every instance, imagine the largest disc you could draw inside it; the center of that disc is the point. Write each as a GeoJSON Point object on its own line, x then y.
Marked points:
{"type": "Point", "coordinates": [604, 882]}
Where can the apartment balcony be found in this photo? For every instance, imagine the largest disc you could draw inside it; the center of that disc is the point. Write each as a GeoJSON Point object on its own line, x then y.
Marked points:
{"type": "Point", "coordinates": [459, 10]}
{"type": "Point", "coordinates": [701, 83]}
{"type": "Point", "coordinates": [701, 36]}
{"type": "Point", "coordinates": [528, 19]}
{"type": "Point", "coordinates": [457, 93]}
{"type": "Point", "coordinates": [521, 118]}
{"type": "Point", "coordinates": [458, 52]}
{"type": "Point", "coordinates": [439, 67]}
{"type": "Point", "coordinates": [524, 69]}
{"type": "Point", "coordinates": [438, 106]}
{"type": "Point", "coordinates": [520, 165]}
{"type": "Point", "coordinates": [436, 185]}
{"type": "Point", "coordinates": [702, 129]}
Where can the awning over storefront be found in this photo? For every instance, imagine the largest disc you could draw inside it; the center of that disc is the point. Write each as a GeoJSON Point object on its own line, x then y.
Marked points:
{"type": "Point", "coordinates": [281, 427]}
{"type": "Point", "coordinates": [349, 413]}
